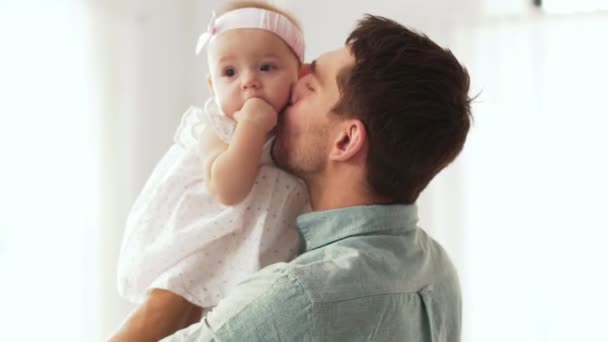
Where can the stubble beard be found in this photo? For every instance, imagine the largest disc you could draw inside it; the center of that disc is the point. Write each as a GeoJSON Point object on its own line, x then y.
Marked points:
{"type": "Point", "coordinates": [303, 160]}
{"type": "Point", "coordinates": [281, 156]}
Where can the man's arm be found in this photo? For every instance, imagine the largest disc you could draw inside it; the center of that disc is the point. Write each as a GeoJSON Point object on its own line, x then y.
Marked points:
{"type": "Point", "coordinates": [161, 314]}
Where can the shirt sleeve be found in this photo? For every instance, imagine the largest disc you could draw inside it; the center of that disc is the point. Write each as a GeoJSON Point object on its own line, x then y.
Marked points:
{"type": "Point", "coordinates": [269, 306]}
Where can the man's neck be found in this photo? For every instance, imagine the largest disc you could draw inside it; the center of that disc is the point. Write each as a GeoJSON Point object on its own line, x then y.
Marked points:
{"type": "Point", "coordinates": [328, 193]}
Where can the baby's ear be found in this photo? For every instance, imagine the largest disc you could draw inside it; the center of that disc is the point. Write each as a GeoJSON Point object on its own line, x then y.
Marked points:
{"type": "Point", "coordinates": [210, 83]}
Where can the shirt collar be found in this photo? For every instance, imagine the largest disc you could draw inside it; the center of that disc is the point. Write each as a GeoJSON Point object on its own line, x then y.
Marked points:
{"type": "Point", "coordinates": [323, 227]}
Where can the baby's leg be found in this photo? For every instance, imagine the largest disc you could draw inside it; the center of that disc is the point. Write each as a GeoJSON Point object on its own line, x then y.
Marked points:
{"type": "Point", "coordinates": [162, 314]}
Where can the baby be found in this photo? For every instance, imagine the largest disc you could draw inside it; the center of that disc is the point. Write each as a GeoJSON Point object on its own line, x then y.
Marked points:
{"type": "Point", "coordinates": [215, 208]}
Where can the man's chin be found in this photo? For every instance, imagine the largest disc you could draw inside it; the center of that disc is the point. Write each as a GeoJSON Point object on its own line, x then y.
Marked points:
{"type": "Point", "coordinates": [278, 154]}
{"type": "Point", "coordinates": [281, 116]}
{"type": "Point", "coordinates": [275, 152]}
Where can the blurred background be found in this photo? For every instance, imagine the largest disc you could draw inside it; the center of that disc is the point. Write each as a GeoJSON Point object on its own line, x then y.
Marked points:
{"type": "Point", "coordinates": [91, 92]}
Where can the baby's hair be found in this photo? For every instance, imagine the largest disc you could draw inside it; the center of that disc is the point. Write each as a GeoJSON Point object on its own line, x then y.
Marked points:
{"type": "Point", "coordinates": [238, 4]}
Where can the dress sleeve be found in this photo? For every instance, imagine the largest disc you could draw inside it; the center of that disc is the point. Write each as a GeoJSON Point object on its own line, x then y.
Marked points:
{"type": "Point", "coordinates": [222, 125]}
{"type": "Point", "coordinates": [189, 126]}
{"type": "Point", "coordinates": [195, 119]}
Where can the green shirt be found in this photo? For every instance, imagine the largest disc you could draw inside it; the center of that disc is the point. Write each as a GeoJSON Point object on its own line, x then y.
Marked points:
{"type": "Point", "coordinates": [367, 273]}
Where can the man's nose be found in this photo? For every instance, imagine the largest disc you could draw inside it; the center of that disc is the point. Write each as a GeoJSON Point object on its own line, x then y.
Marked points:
{"type": "Point", "coordinates": [304, 70]}
{"type": "Point", "coordinates": [250, 81]}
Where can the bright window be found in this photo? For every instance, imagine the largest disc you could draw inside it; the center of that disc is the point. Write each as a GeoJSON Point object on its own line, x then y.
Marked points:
{"type": "Point", "coordinates": [49, 174]}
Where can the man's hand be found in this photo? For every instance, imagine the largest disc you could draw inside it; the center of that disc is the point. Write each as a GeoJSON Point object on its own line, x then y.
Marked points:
{"type": "Point", "coordinates": [258, 112]}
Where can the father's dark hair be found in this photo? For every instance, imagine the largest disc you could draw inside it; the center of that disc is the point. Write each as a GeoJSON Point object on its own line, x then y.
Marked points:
{"type": "Point", "coordinates": [412, 96]}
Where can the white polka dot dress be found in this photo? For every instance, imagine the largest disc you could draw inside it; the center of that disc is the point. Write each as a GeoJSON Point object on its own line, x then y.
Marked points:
{"type": "Point", "coordinates": [180, 239]}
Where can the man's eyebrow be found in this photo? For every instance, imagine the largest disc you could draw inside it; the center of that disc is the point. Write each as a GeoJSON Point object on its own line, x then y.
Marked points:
{"type": "Point", "coordinates": [315, 71]}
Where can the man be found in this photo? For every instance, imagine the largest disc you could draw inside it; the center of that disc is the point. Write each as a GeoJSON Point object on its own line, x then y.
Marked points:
{"type": "Point", "coordinates": [369, 126]}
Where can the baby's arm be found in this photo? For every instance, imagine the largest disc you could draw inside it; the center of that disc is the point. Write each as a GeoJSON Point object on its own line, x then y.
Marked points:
{"type": "Point", "coordinates": [231, 170]}
{"type": "Point", "coordinates": [161, 314]}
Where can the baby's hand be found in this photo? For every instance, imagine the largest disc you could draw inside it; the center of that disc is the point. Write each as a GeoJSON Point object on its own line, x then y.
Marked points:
{"type": "Point", "coordinates": [258, 112]}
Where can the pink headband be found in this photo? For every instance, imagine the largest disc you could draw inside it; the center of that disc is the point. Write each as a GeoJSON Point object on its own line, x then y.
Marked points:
{"type": "Point", "coordinates": [255, 18]}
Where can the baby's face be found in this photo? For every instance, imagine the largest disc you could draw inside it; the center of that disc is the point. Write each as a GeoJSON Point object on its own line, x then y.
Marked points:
{"type": "Point", "coordinates": [247, 63]}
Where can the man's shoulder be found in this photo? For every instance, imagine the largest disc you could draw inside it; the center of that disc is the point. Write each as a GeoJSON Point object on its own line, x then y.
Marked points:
{"type": "Point", "coordinates": [267, 285]}
{"type": "Point", "coordinates": [269, 305]}
{"type": "Point", "coordinates": [372, 265]}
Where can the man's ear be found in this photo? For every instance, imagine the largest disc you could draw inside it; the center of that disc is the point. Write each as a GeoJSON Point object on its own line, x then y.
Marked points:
{"type": "Point", "coordinates": [350, 142]}
{"type": "Point", "coordinates": [210, 83]}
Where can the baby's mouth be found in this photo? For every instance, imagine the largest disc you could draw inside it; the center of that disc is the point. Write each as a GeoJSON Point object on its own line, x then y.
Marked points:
{"type": "Point", "coordinates": [253, 93]}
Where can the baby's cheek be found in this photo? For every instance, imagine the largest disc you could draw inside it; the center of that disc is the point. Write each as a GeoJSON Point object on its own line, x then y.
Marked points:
{"type": "Point", "coordinates": [281, 98]}
{"type": "Point", "coordinates": [284, 93]}
{"type": "Point", "coordinates": [228, 105]}
{"type": "Point", "coordinates": [230, 100]}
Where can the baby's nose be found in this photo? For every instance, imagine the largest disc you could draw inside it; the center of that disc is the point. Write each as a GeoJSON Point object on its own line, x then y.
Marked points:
{"type": "Point", "coordinates": [250, 81]}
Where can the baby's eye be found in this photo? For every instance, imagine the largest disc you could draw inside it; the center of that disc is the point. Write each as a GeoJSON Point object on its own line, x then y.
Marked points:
{"type": "Point", "coordinates": [267, 67]}
{"type": "Point", "coordinates": [229, 72]}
